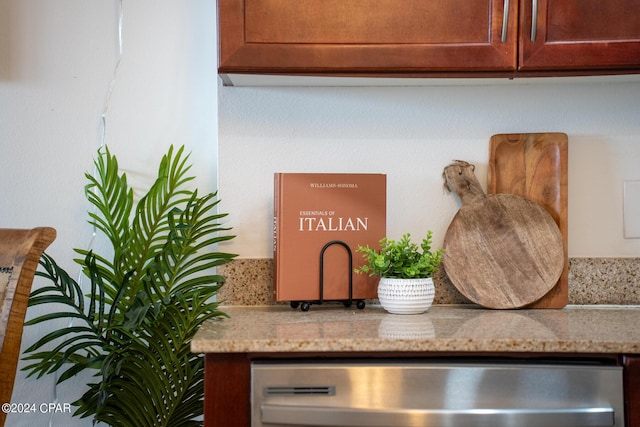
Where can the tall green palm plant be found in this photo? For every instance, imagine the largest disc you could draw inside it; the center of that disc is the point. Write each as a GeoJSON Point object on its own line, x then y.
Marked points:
{"type": "Point", "coordinates": [146, 300]}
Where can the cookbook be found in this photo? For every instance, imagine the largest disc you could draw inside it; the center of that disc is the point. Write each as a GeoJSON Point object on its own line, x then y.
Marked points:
{"type": "Point", "coordinates": [312, 210]}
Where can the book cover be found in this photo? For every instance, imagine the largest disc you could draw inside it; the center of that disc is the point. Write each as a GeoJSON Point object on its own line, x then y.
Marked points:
{"type": "Point", "coordinates": [313, 209]}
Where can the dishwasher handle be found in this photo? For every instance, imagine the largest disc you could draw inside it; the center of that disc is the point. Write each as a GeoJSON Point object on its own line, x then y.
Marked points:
{"type": "Point", "coordinates": [299, 415]}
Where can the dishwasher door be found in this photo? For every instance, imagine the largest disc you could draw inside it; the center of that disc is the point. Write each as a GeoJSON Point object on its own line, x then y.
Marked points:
{"type": "Point", "coordinates": [409, 394]}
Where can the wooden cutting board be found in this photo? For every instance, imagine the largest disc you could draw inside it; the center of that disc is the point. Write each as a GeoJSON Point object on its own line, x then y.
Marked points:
{"type": "Point", "coordinates": [501, 250]}
{"type": "Point", "coordinates": [534, 165]}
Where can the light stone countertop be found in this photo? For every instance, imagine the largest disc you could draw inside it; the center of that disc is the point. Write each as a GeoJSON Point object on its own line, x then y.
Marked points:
{"type": "Point", "coordinates": [444, 328]}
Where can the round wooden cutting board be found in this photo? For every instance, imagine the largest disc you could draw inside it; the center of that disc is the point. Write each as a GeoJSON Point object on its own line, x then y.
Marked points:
{"type": "Point", "coordinates": [501, 250]}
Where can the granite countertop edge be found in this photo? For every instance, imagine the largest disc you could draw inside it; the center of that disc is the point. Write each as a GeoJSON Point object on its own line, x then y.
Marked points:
{"type": "Point", "coordinates": [609, 329]}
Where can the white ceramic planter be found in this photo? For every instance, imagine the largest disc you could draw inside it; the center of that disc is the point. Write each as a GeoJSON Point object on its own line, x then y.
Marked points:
{"type": "Point", "coordinates": [405, 296]}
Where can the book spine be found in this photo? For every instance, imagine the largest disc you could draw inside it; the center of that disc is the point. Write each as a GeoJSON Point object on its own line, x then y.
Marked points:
{"type": "Point", "coordinates": [276, 216]}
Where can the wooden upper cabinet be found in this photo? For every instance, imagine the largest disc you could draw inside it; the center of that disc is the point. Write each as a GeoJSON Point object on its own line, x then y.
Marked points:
{"type": "Point", "coordinates": [579, 34]}
{"type": "Point", "coordinates": [429, 38]}
{"type": "Point", "coordinates": [367, 37]}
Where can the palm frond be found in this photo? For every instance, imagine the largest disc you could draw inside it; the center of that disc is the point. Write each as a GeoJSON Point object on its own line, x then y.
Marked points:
{"type": "Point", "coordinates": [156, 370]}
{"type": "Point", "coordinates": [150, 225]}
{"type": "Point", "coordinates": [187, 251]}
{"type": "Point", "coordinates": [110, 194]}
{"type": "Point", "coordinates": [73, 344]}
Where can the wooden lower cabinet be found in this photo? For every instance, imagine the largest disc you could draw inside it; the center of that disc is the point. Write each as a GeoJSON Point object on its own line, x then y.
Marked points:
{"type": "Point", "coordinates": [227, 388]}
{"type": "Point", "coordinates": [632, 389]}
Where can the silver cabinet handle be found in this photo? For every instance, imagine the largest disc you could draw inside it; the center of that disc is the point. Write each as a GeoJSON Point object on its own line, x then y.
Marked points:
{"type": "Point", "coordinates": [304, 415]}
{"type": "Point", "coordinates": [505, 20]}
{"type": "Point", "coordinates": [534, 20]}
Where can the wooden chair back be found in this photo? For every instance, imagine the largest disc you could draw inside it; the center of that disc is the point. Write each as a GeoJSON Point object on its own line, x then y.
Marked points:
{"type": "Point", "coordinates": [20, 252]}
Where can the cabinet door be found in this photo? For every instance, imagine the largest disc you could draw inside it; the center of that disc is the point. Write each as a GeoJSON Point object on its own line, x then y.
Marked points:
{"type": "Point", "coordinates": [367, 37]}
{"type": "Point", "coordinates": [579, 34]}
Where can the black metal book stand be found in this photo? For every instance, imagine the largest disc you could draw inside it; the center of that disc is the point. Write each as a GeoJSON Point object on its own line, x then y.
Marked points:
{"type": "Point", "coordinates": [306, 305]}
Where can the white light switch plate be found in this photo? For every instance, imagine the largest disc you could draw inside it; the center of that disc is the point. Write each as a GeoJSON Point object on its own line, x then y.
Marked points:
{"type": "Point", "coordinates": [631, 202]}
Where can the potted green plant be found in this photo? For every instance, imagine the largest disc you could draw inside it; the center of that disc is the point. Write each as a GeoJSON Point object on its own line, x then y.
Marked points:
{"type": "Point", "coordinates": [132, 323]}
{"type": "Point", "coordinates": [405, 270]}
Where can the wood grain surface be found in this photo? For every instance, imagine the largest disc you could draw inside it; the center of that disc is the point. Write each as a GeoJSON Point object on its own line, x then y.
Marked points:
{"type": "Point", "coordinates": [534, 166]}
{"type": "Point", "coordinates": [501, 251]}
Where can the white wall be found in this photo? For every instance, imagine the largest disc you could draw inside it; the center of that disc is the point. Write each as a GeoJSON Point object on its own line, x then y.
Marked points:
{"type": "Point", "coordinates": [412, 134]}
{"type": "Point", "coordinates": [57, 60]}
{"type": "Point", "coordinates": [56, 64]}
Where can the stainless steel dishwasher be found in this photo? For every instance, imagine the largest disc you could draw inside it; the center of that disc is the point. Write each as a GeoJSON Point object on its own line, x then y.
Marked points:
{"type": "Point", "coordinates": [451, 394]}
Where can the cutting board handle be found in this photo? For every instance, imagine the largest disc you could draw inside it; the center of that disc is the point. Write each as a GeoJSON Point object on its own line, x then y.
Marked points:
{"type": "Point", "coordinates": [460, 178]}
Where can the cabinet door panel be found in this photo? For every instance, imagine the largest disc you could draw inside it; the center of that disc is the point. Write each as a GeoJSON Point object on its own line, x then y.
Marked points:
{"type": "Point", "coordinates": [579, 34]}
{"type": "Point", "coordinates": [366, 22]}
{"type": "Point", "coordinates": [365, 36]}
